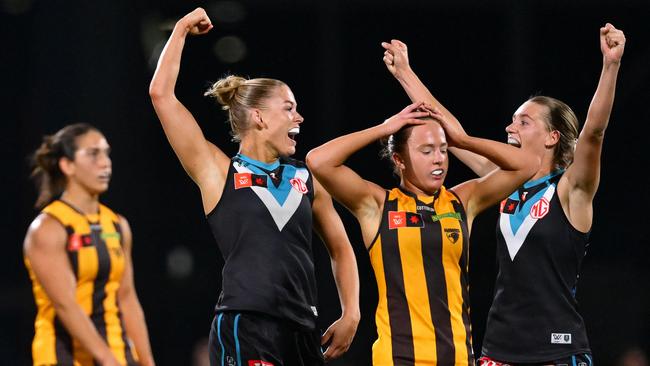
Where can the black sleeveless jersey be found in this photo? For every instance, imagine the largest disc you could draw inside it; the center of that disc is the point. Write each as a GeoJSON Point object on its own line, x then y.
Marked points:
{"type": "Point", "coordinates": [534, 315]}
{"type": "Point", "coordinates": [263, 227]}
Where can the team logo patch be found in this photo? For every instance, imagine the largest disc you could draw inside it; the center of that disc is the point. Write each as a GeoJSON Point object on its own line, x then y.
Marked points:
{"type": "Point", "coordinates": [508, 206]}
{"type": "Point", "coordinates": [561, 338]}
{"type": "Point", "coordinates": [299, 185]}
{"type": "Point", "coordinates": [259, 363]}
{"type": "Point", "coordinates": [397, 219]}
{"type": "Point", "coordinates": [453, 235]}
{"type": "Point", "coordinates": [540, 208]}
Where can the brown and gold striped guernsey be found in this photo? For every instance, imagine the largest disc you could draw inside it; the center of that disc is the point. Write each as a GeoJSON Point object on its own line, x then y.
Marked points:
{"type": "Point", "coordinates": [94, 248]}
{"type": "Point", "coordinates": [420, 262]}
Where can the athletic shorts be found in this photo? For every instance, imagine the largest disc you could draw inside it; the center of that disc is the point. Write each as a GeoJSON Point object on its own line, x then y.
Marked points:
{"type": "Point", "coordinates": [252, 339]}
{"type": "Point", "coordinates": [582, 359]}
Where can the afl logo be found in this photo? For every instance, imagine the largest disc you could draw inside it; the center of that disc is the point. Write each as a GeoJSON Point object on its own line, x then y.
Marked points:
{"type": "Point", "coordinates": [299, 185]}
{"type": "Point", "coordinates": [539, 209]}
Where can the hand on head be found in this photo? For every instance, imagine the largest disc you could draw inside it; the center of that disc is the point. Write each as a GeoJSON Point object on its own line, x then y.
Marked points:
{"type": "Point", "coordinates": [411, 115]}
{"type": "Point", "coordinates": [453, 132]}
{"type": "Point", "coordinates": [396, 56]}
{"type": "Point", "coordinates": [197, 22]}
{"type": "Point", "coordinates": [612, 43]}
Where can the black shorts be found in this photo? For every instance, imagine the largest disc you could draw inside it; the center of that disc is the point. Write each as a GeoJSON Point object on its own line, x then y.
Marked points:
{"type": "Point", "coordinates": [251, 339]}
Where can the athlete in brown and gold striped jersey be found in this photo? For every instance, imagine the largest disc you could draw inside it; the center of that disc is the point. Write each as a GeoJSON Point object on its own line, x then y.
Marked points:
{"type": "Point", "coordinates": [78, 255]}
{"type": "Point", "coordinates": [417, 234]}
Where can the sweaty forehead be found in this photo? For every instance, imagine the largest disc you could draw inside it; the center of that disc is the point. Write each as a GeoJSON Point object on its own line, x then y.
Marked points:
{"type": "Point", "coordinates": [430, 133]}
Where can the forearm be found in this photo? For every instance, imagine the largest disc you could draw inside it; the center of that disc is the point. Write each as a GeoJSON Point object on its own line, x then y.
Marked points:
{"type": "Point", "coordinates": [136, 329]}
{"type": "Point", "coordinates": [418, 92]}
{"type": "Point", "coordinates": [164, 79]}
{"type": "Point", "coordinates": [603, 100]}
{"type": "Point", "coordinates": [335, 152]}
{"type": "Point", "coordinates": [80, 327]}
{"type": "Point", "coordinates": [501, 155]}
{"type": "Point", "coordinates": [346, 276]}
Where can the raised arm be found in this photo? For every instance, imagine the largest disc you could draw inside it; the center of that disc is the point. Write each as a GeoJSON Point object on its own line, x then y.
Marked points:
{"type": "Point", "coordinates": [363, 198]}
{"type": "Point", "coordinates": [583, 175]}
{"type": "Point", "coordinates": [134, 321]}
{"type": "Point", "coordinates": [397, 62]}
{"type": "Point", "coordinates": [203, 162]}
{"type": "Point", "coordinates": [514, 167]}
{"type": "Point", "coordinates": [329, 226]}
{"type": "Point", "coordinates": [45, 250]}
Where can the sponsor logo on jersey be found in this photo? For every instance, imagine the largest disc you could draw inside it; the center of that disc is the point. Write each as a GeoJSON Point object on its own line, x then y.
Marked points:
{"type": "Point", "coordinates": [452, 234]}
{"type": "Point", "coordinates": [540, 208]}
{"type": "Point", "coordinates": [74, 242]}
{"type": "Point", "coordinates": [243, 180]}
{"type": "Point", "coordinates": [298, 185]}
{"type": "Point", "coordinates": [446, 215]}
{"type": "Point", "coordinates": [115, 235]}
{"type": "Point", "coordinates": [259, 363]}
{"type": "Point", "coordinates": [508, 206]}
{"type": "Point", "coordinates": [425, 208]}
{"type": "Point", "coordinates": [397, 219]}
{"type": "Point", "coordinates": [561, 338]}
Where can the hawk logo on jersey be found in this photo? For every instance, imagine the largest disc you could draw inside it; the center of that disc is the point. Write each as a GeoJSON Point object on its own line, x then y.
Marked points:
{"type": "Point", "coordinates": [540, 208]}
{"type": "Point", "coordinates": [259, 363]}
{"type": "Point", "coordinates": [397, 219]}
{"type": "Point", "coordinates": [298, 185]}
{"type": "Point", "coordinates": [452, 234]}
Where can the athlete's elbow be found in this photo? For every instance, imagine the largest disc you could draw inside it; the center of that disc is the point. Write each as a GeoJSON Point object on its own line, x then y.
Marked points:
{"type": "Point", "coordinates": [314, 160]}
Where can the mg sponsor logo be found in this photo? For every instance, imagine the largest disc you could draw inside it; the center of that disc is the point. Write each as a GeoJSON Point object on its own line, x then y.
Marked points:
{"type": "Point", "coordinates": [540, 208]}
{"type": "Point", "coordinates": [298, 185]}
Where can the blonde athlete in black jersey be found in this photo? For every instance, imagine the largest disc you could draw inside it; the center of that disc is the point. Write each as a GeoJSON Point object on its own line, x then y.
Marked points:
{"type": "Point", "coordinates": [417, 234]}
{"type": "Point", "coordinates": [263, 318]}
{"type": "Point", "coordinates": [78, 253]}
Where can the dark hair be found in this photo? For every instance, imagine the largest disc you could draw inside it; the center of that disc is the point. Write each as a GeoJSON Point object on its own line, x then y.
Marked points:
{"type": "Point", "coordinates": [50, 180]}
{"type": "Point", "coordinates": [560, 117]}
{"type": "Point", "coordinates": [395, 144]}
{"type": "Point", "coordinates": [237, 95]}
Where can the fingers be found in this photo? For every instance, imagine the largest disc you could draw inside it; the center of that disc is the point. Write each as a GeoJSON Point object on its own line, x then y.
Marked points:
{"type": "Point", "coordinates": [389, 59]}
{"type": "Point", "coordinates": [326, 336]}
{"type": "Point", "coordinates": [336, 349]}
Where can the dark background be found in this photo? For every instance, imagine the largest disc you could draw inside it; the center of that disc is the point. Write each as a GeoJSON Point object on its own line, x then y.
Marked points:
{"type": "Point", "coordinates": [91, 61]}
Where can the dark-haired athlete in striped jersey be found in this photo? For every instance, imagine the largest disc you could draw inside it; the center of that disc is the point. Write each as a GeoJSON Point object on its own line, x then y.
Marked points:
{"type": "Point", "coordinates": [417, 234]}
{"type": "Point", "coordinates": [78, 254]}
